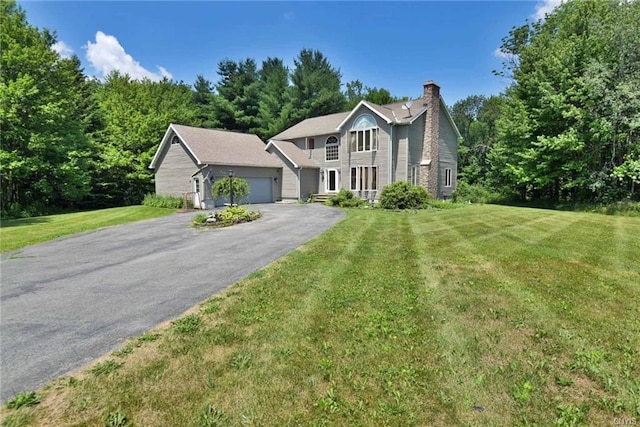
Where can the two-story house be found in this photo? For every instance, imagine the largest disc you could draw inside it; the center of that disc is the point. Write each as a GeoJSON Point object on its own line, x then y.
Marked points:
{"type": "Point", "coordinates": [363, 150]}
{"type": "Point", "coordinates": [369, 147]}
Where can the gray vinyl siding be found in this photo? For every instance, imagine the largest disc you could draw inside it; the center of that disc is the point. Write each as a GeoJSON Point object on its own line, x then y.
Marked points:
{"type": "Point", "coordinates": [401, 153]}
{"type": "Point", "coordinates": [416, 141]}
{"type": "Point", "coordinates": [448, 153]}
{"type": "Point", "coordinates": [309, 181]}
{"type": "Point", "coordinates": [379, 158]}
{"type": "Point", "coordinates": [289, 181]}
{"type": "Point", "coordinates": [173, 174]}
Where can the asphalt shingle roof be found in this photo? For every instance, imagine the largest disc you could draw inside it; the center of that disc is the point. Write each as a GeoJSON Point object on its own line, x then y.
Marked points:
{"type": "Point", "coordinates": [299, 157]}
{"type": "Point", "coordinates": [325, 125]}
{"type": "Point", "coordinates": [322, 125]}
{"type": "Point", "coordinates": [213, 146]}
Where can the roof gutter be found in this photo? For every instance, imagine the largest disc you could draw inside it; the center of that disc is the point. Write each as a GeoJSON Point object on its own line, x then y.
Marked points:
{"type": "Point", "coordinates": [206, 165]}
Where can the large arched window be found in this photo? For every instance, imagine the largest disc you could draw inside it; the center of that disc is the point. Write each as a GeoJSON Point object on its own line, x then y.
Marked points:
{"type": "Point", "coordinates": [331, 150]}
{"type": "Point", "coordinates": [363, 135]}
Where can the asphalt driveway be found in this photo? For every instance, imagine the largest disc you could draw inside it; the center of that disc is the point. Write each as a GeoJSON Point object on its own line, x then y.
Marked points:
{"type": "Point", "coordinates": [66, 302]}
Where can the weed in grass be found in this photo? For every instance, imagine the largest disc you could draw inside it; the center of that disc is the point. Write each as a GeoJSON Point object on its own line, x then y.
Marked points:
{"type": "Point", "coordinates": [211, 307]}
{"type": "Point", "coordinates": [326, 366]}
{"type": "Point", "coordinates": [329, 402]}
{"type": "Point", "coordinates": [148, 337]}
{"type": "Point", "coordinates": [26, 398]}
{"type": "Point", "coordinates": [210, 416]}
{"type": "Point", "coordinates": [589, 362]}
{"type": "Point", "coordinates": [564, 381]}
{"type": "Point", "coordinates": [241, 361]}
{"type": "Point", "coordinates": [523, 392]}
{"type": "Point", "coordinates": [72, 381]}
{"type": "Point", "coordinates": [610, 404]}
{"type": "Point", "coordinates": [124, 351]}
{"type": "Point", "coordinates": [571, 415]}
{"type": "Point", "coordinates": [187, 325]}
{"type": "Point", "coordinates": [117, 419]}
{"type": "Point", "coordinates": [105, 368]}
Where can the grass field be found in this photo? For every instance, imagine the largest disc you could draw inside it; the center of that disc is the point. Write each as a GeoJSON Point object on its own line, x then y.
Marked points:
{"type": "Point", "coordinates": [18, 233]}
{"type": "Point", "coordinates": [485, 315]}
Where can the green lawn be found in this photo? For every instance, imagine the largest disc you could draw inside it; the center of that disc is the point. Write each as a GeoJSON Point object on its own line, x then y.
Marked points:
{"type": "Point", "coordinates": [485, 315]}
{"type": "Point", "coordinates": [18, 233]}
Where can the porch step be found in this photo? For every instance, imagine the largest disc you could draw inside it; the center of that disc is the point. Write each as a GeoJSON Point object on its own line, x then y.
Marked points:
{"type": "Point", "coordinates": [320, 198]}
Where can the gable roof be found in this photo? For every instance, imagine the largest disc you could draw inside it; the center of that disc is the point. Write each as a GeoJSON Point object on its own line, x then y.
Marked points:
{"type": "Point", "coordinates": [217, 147]}
{"type": "Point", "coordinates": [392, 113]}
{"type": "Point", "coordinates": [315, 126]}
{"type": "Point", "coordinates": [450, 118]}
{"type": "Point", "coordinates": [297, 157]}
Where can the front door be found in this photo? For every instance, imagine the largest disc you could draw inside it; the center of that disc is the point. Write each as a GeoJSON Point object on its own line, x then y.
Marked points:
{"type": "Point", "coordinates": [332, 183]}
{"type": "Point", "coordinates": [196, 193]}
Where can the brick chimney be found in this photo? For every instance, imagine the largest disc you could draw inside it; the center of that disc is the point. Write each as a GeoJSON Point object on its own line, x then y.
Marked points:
{"type": "Point", "coordinates": [429, 164]}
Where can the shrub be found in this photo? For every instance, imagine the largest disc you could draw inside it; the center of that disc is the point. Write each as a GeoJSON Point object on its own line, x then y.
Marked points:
{"type": "Point", "coordinates": [156, 201]}
{"type": "Point", "coordinates": [345, 199]}
{"type": "Point", "coordinates": [473, 193]}
{"type": "Point", "coordinates": [222, 188]}
{"type": "Point", "coordinates": [402, 195]}
{"type": "Point", "coordinates": [228, 216]}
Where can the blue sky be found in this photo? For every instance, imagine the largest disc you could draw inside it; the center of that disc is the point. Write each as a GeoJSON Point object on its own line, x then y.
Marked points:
{"type": "Point", "coordinates": [395, 45]}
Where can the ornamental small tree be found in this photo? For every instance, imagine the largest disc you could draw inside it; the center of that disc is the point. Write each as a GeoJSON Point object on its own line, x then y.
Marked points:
{"type": "Point", "coordinates": [222, 188]}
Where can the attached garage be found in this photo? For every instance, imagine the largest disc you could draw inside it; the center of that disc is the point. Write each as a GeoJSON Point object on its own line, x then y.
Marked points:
{"type": "Point", "coordinates": [189, 160]}
{"type": "Point", "coordinates": [261, 190]}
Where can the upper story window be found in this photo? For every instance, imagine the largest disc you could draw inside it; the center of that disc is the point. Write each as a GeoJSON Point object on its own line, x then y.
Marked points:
{"type": "Point", "coordinates": [311, 143]}
{"type": "Point", "coordinates": [363, 135]}
{"type": "Point", "coordinates": [331, 149]}
{"type": "Point", "coordinates": [175, 140]}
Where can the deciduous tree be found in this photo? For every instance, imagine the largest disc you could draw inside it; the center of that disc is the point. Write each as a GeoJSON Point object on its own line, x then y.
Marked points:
{"type": "Point", "coordinates": [44, 151]}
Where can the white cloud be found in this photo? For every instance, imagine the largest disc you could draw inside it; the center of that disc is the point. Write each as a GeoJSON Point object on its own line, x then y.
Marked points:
{"type": "Point", "coordinates": [288, 16]}
{"type": "Point", "coordinates": [107, 55]}
{"type": "Point", "coordinates": [164, 72]}
{"type": "Point", "coordinates": [62, 49]}
{"type": "Point", "coordinates": [545, 7]}
{"type": "Point", "coordinates": [499, 53]}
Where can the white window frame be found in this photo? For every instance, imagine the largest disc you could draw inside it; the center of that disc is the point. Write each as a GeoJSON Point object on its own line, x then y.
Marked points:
{"type": "Point", "coordinates": [414, 175]}
{"type": "Point", "coordinates": [369, 178]}
{"type": "Point", "coordinates": [364, 128]}
{"type": "Point", "coordinates": [327, 180]}
{"type": "Point", "coordinates": [448, 177]}
{"type": "Point", "coordinates": [335, 145]}
{"type": "Point", "coordinates": [358, 140]}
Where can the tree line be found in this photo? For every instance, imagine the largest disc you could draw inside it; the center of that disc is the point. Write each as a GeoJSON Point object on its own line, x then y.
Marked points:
{"type": "Point", "coordinates": [566, 129]}
{"type": "Point", "coordinates": [72, 142]}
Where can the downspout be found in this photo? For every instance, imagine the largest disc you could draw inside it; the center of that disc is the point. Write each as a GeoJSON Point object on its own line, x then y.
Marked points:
{"type": "Point", "coordinates": [298, 184]}
{"type": "Point", "coordinates": [391, 157]}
